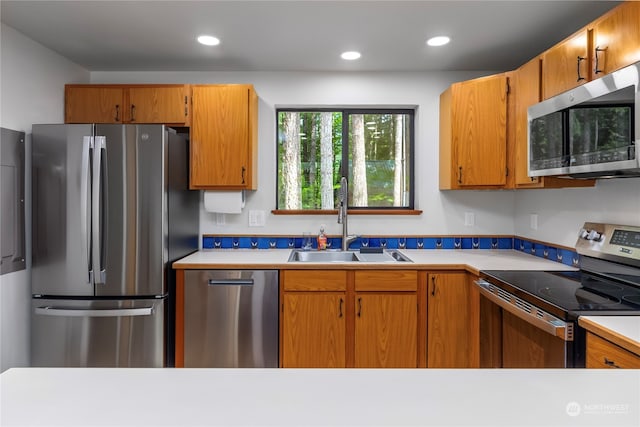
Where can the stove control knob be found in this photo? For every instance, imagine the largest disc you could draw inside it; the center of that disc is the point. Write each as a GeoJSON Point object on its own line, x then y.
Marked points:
{"type": "Point", "coordinates": [594, 235]}
{"type": "Point", "coordinates": [583, 234]}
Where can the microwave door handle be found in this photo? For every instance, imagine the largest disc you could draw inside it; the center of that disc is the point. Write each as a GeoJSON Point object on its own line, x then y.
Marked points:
{"type": "Point", "coordinates": [85, 203]}
{"type": "Point", "coordinates": [97, 210]}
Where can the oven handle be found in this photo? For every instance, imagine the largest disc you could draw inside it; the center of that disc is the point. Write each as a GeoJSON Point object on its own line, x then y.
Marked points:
{"type": "Point", "coordinates": [548, 323]}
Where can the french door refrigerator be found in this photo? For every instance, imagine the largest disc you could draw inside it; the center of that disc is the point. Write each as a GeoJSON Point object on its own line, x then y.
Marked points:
{"type": "Point", "coordinates": [111, 211]}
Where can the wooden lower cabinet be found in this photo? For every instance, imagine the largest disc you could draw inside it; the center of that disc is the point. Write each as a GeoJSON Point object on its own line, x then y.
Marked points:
{"type": "Point", "coordinates": [313, 330]}
{"type": "Point", "coordinates": [603, 354]}
{"type": "Point", "coordinates": [325, 327]}
{"type": "Point", "coordinates": [453, 321]}
{"type": "Point", "coordinates": [386, 330]}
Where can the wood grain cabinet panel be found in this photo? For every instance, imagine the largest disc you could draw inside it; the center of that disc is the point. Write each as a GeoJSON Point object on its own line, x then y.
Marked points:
{"type": "Point", "coordinates": [386, 280]}
{"type": "Point", "coordinates": [158, 104]}
{"type": "Point", "coordinates": [566, 65]}
{"type": "Point", "coordinates": [314, 280]}
{"type": "Point", "coordinates": [224, 137]}
{"type": "Point", "coordinates": [313, 330]}
{"type": "Point", "coordinates": [616, 39]}
{"type": "Point", "coordinates": [386, 330]}
{"type": "Point", "coordinates": [473, 134]}
{"type": "Point", "coordinates": [453, 321]}
{"type": "Point", "coordinates": [603, 354]}
{"type": "Point", "coordinates": [161, 104]}
{"type": "Point", "coordinates": [94, 104]}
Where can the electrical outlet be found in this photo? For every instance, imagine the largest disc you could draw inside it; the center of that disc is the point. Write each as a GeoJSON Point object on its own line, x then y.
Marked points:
{"type": "Point", "coordinates": [533, 221]}
{"type": "Point", "coordinates": [469, 219]}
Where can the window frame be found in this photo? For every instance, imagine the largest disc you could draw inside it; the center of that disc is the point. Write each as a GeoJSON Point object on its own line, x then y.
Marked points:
{"type": "Point", "coordinates": [344, 161]}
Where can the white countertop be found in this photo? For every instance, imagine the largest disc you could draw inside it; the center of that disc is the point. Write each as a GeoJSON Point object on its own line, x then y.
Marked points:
{"type": "Point", "coordinates": [621, 330]}
{"type": "Point", "coordinates": [470, 259]}
{"type": "Point", "coordinates": [328, 397]}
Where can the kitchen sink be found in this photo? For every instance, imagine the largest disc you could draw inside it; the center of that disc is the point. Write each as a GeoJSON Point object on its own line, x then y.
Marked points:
{"type": "Point", "coordinates": [347, 256]}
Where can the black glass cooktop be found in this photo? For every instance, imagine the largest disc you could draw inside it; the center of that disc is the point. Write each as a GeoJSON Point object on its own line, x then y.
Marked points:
{"type": "Point", "coordinates": [570, 291]}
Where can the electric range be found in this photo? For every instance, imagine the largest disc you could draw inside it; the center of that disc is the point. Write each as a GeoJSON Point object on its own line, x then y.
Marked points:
{"type": "Point", "coordinates": [607, 283]}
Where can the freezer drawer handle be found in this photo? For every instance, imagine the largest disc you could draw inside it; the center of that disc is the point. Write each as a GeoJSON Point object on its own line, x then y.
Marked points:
{"type": "Point", "coordinates": [231, 282]}
{"type": "Point", "coordinates": [111, 312]}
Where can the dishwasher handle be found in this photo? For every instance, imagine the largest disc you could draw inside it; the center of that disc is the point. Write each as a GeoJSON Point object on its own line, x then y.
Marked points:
{"type": "Point", "coordinates": [230, 282]}
{"type": "Point", "coordinates": [525, 311]}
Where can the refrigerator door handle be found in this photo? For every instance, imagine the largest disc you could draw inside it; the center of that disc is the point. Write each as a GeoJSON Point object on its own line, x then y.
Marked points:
{"type": "Point", "coordinates": [98, 211]}
{"type": "Point", "coordinates": [85, 203]}
{"type": "Point", "coordinates": [111, 312]}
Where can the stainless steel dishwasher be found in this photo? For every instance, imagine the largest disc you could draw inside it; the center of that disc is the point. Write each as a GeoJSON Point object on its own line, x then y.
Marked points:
{"type": "Point", "coordinates": [231, 319]}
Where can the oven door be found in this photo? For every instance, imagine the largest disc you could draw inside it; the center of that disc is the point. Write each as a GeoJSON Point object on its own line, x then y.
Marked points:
{"type": "Point", "coordinates": [530, 337]}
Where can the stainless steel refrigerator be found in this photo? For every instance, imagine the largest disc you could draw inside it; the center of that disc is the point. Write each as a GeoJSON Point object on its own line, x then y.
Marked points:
{"type": "Point", "coordinates": [111, 211]}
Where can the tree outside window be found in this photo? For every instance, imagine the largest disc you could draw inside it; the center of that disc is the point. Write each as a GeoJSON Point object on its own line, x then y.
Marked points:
{"type": "Point", "coordinates": [372, 148]}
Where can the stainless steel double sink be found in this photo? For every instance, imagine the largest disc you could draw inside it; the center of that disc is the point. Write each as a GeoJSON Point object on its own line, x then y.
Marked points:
{"type": "Point", "coordinates": [347, 256]}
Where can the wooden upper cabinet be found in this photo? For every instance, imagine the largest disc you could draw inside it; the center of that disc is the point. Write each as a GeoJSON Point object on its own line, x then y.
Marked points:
{"type": "Point", "coordinates": [158, 104]}
{"type": "Point", "coordinates": [313, 330]}
{"type": "Point", "coordinates": [473, 134]}
{"type": "Point", "coordinates": [386, 330]}
{"type": "Point", "coordinates": [162, 104]}
{"type": "Point", "coordinates": [93, 104]}
{"type": "Point", "coordinates": [566, 65]}
{"type": "Point", "coordinates": [616, 39]}
{"type": "Point", "coordinates": [224, 137]}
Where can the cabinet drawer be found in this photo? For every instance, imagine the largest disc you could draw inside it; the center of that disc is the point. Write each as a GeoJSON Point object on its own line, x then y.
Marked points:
{"type": "Point", "coordinates": [385, 280]}
{"type": "Point", "coordinates": [314, 280]}
{"type": "Point", "coordinates": [604, 354]}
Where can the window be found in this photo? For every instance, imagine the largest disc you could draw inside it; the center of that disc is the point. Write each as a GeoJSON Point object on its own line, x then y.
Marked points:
{"type": "Point", "coordinates": [372, 148]}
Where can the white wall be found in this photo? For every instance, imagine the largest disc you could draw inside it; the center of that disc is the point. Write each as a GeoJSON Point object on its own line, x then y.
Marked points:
{"type": "Point", "coordinates": [32, 80]}
{"type": "Point", "coordinates": [443, 212]}
{"type": "Point", "coordinates": [562, 212]}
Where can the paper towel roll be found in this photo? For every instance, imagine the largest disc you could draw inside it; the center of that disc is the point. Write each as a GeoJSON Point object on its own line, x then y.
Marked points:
{"type": "Point", "coordinates": [224, 201]}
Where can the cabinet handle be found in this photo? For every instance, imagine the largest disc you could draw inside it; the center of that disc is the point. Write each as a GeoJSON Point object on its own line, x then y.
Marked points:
{"type": "Point", "coordinates": [243, 172]}
{"type": "Point", "coordinates": [460, 175]}
{"type": "Point", "coordinates": [611, 363]}
{"type": "Point", "coordinates": [340, 307]}
{"type": "Point", "coordinates": [580, 59]}
{"type": "Point", "coordinates": [117, 113]}
{"type": "Point", "coordinates": [133, 113]}
{"type": "Point", "coordinates": [433, 289]}
{"type": "Point", "coordinates": [359, 307]}
{"type": "Point", "coordinates": [597, 69]}
{"type": "Point", "coordinates": [186, 108]}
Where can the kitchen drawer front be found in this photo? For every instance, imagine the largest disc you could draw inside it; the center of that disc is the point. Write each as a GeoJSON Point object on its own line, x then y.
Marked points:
{"type": "Point", "coordinates": [314, 280]}
{"type": "Point", "coordinates": [385, 280]}
{"type": "Point", "coordinates": [604, 354]}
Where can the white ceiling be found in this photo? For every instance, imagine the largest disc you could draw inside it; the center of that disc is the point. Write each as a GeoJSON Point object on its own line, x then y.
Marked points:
{"type": "Point", "coordinates": [298, 35]}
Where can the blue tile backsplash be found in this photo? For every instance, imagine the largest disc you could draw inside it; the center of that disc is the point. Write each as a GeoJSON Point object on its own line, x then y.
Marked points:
{"type": "Point", "coordinates": [542, 250]}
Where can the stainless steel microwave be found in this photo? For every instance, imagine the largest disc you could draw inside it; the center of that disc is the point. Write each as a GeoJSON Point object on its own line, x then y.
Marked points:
{"type": "Point", "coordinates": [589, 131]}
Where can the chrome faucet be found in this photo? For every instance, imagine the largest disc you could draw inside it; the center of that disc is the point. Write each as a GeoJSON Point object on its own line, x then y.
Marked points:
{"type": "Point", "coordinates": [343, 201]}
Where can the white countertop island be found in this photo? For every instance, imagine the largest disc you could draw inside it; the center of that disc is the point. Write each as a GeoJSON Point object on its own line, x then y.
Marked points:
{"type": "Point", "coordinates": [327, 397]}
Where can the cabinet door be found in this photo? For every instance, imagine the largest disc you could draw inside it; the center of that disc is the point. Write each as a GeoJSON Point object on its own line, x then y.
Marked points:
{"type": "Point", "coordinates": [93, 104]}
{"type": "Point", "coordinates": [479, 131]}
{"type": "Point", "coordinates": [617, 39]}
{"type": "Point", "coordinates": [386, 330]}
{"type": "Point", "coordinates": [452, 325]}
{"type": "Point", "coordinates": [160, 104]}
{"type": "Point", "coordinates": [313, 330]}
{"type": "Point", "coordinates": [566, 65]}
{"type": "Point", "coordinates": [602, 354]}
{"type": "Point", "coordinates": [223, 137]}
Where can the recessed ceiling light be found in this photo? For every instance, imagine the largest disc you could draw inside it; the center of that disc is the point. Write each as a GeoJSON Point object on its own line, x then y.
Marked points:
{"type": "Point", "coordinates": [438, 41]}
{"type": "Point", "coordinates": [209, 40]}
{"type": "Point", "coordinates": [350, 56]}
